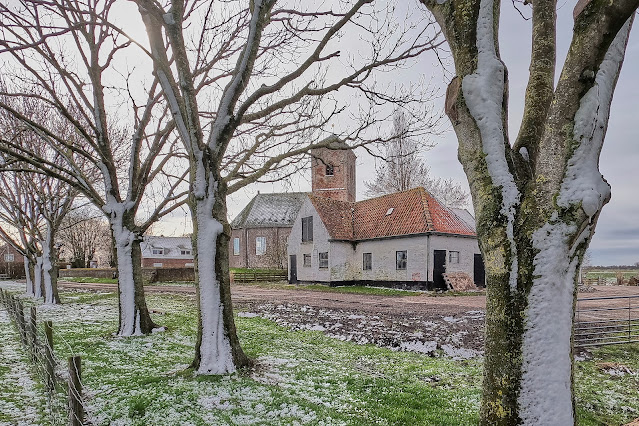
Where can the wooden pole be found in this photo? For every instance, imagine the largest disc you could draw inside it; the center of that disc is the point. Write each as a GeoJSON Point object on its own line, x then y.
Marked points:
{"type": "Point", "coordinates": [48, 355]}
{"type": "Point", "coordinates": [21, 323]}
{"type": "Point", "coordinates": [33, 333]}
{"type": "Point", "coordinates": [76, 412]}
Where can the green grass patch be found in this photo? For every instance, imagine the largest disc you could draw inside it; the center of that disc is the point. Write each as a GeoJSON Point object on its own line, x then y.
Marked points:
{"type": "Point", "coordinates": [90, 280]}
{"type": "Point", "coordinates": [379, 291]}
{"type": "Point", "coordinates": [254, 270]}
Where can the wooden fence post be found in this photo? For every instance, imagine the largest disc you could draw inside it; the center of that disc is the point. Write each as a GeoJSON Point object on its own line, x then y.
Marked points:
{"type": "Point", "coordinates": [21, 324]}
{"type": "Point", "coordinates": [48, 355]}
{"type": "Point", "coordinates": [76, 412]}
{"type": "Point", "coordinates": [33, 333]}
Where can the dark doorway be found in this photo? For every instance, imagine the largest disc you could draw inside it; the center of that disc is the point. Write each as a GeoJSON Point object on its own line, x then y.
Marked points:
{"type": "Point", "coordinates": [479, 274]}
{"type": "Point", "coordinates": [293, 271]}
{"type": "Point", "coordinates": [439, 267]}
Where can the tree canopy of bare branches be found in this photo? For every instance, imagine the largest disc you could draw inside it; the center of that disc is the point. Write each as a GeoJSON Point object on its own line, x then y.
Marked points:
{"type": "Point", "coordinates": [403, 169]}
{"type": "Point", "coordinates": [112, 128]}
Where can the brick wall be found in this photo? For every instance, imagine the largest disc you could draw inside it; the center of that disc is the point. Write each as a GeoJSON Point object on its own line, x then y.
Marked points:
{"type": "Point", "coordinates": [275, 256]}
{"type": "Point", "coordinates": [11, 262]}
{"type": "Point", "coordinates": [167, 263]}
{"type": "Point", "coordinates": [149, 274]}
{"type": "Point", "coordinates": [339, 186]}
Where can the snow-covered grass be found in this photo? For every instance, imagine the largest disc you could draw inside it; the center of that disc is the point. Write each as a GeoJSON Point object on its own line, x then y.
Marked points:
{"type": "Point", "coordinates": [22, 400]}
{"type": "Point", "coordinates": [301, 377]}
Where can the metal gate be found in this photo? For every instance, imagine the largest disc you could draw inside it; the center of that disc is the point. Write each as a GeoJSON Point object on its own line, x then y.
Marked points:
{"type": "Point", "coordinates": [603, 321]}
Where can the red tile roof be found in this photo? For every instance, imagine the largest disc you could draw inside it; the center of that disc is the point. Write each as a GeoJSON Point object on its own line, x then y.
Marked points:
{"type": "Point", "coordinates": [403, 213]}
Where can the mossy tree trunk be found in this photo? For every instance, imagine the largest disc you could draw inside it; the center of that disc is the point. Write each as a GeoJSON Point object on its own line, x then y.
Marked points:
{"type": "Point", "coordinates": [536, 200]}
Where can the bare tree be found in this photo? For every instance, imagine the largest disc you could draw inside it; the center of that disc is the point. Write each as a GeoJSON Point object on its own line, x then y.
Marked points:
{"type": "Point", "coordinates": [275, 99]}
{"type": "Point", "coordinates": [19, 227]}
{"type": "Point", "coordinates": [59, 56]}
{"type": "Point", "coordinates": [82, 234]}
{"type": "Point", "coordinates": [537, 199]}
{"type": "Point", "coordinates": [404, 169]}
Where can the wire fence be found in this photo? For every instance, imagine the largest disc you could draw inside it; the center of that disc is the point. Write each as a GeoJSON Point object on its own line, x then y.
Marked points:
{"type": "Point", "coordinates": [63, 388]}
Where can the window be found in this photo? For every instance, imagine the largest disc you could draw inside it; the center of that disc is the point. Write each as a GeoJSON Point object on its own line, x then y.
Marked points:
{"type": "Point", "coordinates": [236, 246]}
{"type": "Point", "coordinates": [453, 257]}
{"type": "Point", "coordinates": [260, 245]}
{"type": "Point", "coordinates": [329, 170]}
{"type": "Point", "coordinates": [157, 265]}
{"type": "Point", "coordinates": [9, 257]}
{"type": "Point", "coordinates": [189, 264]}
{"type": "Point", "coordinates": [307, 229]}
{"type": "Point", "coordinates": [307, 260]}
{"type": "Point", "coordinates": [185, 252]}
{"type": "Point", "coordinates": [367, 263]}
{"type": "Point", "coordinates": [157, 251]}
{"type": "Point", "coordinates": [323, 260]}
{"type": "Point", "coordinates": [400, 260]}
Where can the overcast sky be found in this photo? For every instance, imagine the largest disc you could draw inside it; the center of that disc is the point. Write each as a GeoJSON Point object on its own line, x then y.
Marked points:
{"type": "Point", "coordinates": [617, 236]}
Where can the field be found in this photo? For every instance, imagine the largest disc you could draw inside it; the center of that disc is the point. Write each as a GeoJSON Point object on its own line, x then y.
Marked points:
{"type": "Point", "coordinates": [611, 273]}
{"type": "Point", "coordinates": [300, 377]}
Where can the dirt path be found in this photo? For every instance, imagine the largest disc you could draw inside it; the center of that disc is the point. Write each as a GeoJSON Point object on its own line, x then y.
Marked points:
{"type": "Point", "coordinates": [422, 304]}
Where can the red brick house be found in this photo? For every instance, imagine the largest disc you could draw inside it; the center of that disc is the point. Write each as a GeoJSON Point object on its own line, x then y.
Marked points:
{"type": "Point", "coordinates": [11, 261]}
{"type": "Point", "coordinates": [167, 252]}
{"type": "Point", "coordinates": [260, 231]}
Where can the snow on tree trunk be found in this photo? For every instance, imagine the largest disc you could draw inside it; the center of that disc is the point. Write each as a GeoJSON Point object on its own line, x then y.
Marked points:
{"type": "Point", "coordinates": [49, 272]}
{"type": "Point", "coordinates": [218, 350]}
{"type": "Point", "coordinates": [37, 277]}
{"type": "Point", "coordinates": [134, 315]}
{"type": "Point", "coordinates": [28, 273]}
{"type": "Point", "coordinates": [546, 386]}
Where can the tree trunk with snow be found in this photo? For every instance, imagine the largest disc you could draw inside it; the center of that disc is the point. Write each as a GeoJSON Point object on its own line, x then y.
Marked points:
{"type": "Point", "coordinates": [134, 314]}
{"type": "Point", "coordinates": [536, 201]}
{"type": "Point", "coordinates": [218, 350]}
{"type": "Point", "coordinates": [49, 269]}
{"type": "Point", "coordinates": [28, 275]}
{"type": "Point", "coordinates": [38, 290]}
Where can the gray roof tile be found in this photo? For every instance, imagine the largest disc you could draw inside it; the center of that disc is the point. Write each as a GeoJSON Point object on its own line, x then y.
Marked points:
{"type": "Point", "coordinates": [268, 210]}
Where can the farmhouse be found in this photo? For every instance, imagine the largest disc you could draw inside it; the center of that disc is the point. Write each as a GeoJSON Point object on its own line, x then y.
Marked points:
{"type": "Point", "coordinates": [404, 240]}
{"type": "Point", "coordinates": [167, 252]}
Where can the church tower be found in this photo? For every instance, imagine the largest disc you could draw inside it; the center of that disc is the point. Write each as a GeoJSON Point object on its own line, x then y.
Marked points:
{"type": "Point", "coordinates": [333, 173]}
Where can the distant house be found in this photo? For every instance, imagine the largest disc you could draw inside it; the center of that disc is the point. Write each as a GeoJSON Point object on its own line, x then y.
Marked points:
{"type": "Point", "coordinates": [11, 261]}
{"type": "Point", "coordinates": [260, 231]}
{"type": "Point", "coordinates": [406, 239]}
{"type": "Point", "coordinates": [167, 252]}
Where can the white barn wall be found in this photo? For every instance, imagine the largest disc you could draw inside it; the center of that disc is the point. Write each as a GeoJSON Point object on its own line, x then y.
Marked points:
{"type": "Point", "coordinates": [466, 246]}
{"type": "Point", "coordinates": [384, 259]}
{"type": "Point", "coordinates": [319, 244]}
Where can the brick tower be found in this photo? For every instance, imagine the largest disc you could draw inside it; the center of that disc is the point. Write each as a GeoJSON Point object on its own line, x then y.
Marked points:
{"type": "Point", "coordinates": [333, 173]}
